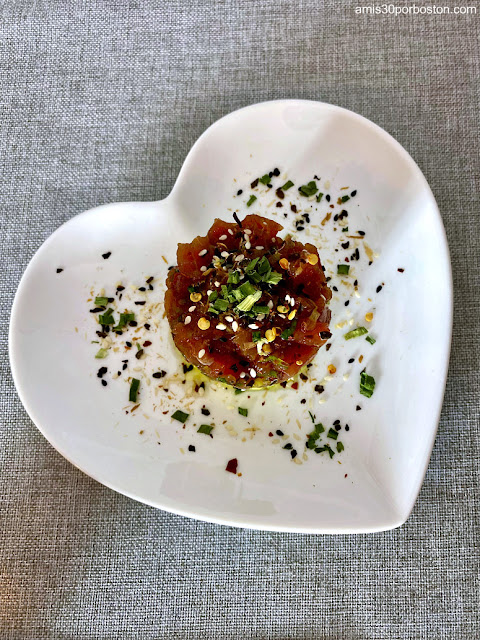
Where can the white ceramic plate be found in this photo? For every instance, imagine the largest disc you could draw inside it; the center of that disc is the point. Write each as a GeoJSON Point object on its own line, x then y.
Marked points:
{"type": "Point", "coordinates": [373, 484]}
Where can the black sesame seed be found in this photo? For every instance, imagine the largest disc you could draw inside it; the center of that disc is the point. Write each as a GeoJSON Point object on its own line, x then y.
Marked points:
{"type": "Point", "coordinates": [337, 427]}
{"type": "Point", "coordinates": [254, 183]}
{"type": "Point", "coordinates": [279, 204]}
{"type": "Point", "coordinates": [205, 412]}
{"type": "Point", "coordinates": [139, 354]}
{"type": "Point", "coordinates": [351, 360]}
{"type": "Point", "coordinates": [401, 270]}
{"type": "Point", "coordinates": [334, 288]}
{"type": "Point", "coordinates": [288, 446]}
{"type": "Point", "coordinates": [128, 344]}
{"type": "Point", "coordinates": [147, 326]}
{"type": "Point", "coordinates": [276, 172]}
{"type": "Point", "coordinates": [336, 422]}
{"type": "Point", "coordinates": [347, 302]}
{"type": "Point", "coordinates": [101, 372]}
{"type": "Point", "coordinates": [379, 288]}
{"type": "Point", "coordinates": [120, 288]}
{"type": "Point", "coordinates": [345, 245]}
{"type": "Point", "coordinates": [293, 207]}
{"type": "Point", "coordinates": [105, 256]}
{"type": "Point", "coordinates": [303, 401]}
{"type": "Point", "coordinates": [279, 433]}
{"type": "Point", "coordinates": [104, 382]}
{"type": "Point", "coordinates": [354, 193]}
{"type": "Point", "coordinates": [140, 302]}
{"type": "Point", "coordinates": [319, 388]}
{"type": "Point", "coordinates": [347, 428]}
{"type": "Point", "coordinates": [191, 448]}
{"type": "Point", "coordinates": [124, 367]}
{"type": "Point", "coordinates": [59, 270]}
{"type": "Point", "coordinates": [327, 197]}
{"type": "Point", "coordinates": [141, 288]}
{"type": "Point", "coordinates": [293, 453]}
{"type": "Point", "coordinates": [358, 408]}
{"type": "Point", "coordinates": [327, 346]}
{"type": "Point", "coordinates": [361, 233]}
{"type": "Point", "coordinates": [355, 283]}
{"type": "Point", "coordinates": [239, 192]}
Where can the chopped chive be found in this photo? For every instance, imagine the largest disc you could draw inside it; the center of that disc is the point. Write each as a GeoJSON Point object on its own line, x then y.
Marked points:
{"type": "Point", "coordinates": [213, 296]}
{"type": "Point", "coordinates": [314, 435]}
{"type": "Point", "coordinates": [370, 339]}
{"type": "Point", "coordinates": [264, 179]}
{"type": "Point", "coordinates": [273, 277]}
{"type": "Point", "coordinates": [340, 447]}
{"type": "Point", "coordinates": [239, 391]}
{"type": "Point", "coordinates": [205, 428]}
{"type": "Point", "coordinates": [331, 452]}
{"type": "Point", "coordinates": [101, 353]}
{"type": "Point", "coordinates": [260, 308]}
{"type": "Point", "coordinates": [309, 189]}
{"type": "Point", "coordinates": [134, 384]}
{"type": "Point", "coordinates": [354, 333]}
{"type": "Point", "coordinates": [233, 278]}
{"type": "Point", "coordinates": [263, 266]}
{"type": "Point", "coordinates": [256, 336]}
{"type": "Point", "coordinates": [319, 197]}
{"type": "Point", "coordinates": [191, 289]}
{"type": "Point", "coordinates": [367, 384]}
{"type": "Point", "coordinates": [251, 200]}
{"type": "Point", "coordinates": [125, 318]}
{"type": "Point", "coordinates": [250, 266]}
{"type": "Point", "coordinates": [106, 318]}
{"type": "Point", "coordinates": [249, 301]}
{"type": "Point", "coordinates": [343, 269]}
{"type": "Point", "coordinates": [243, 412]}
{"type": "Point", "coordinates": [181, 416]}
{"type": "Point", "coordinates": [101, 301]}
{"type": "Point", "coordinates": [213, 310]}
{"type": "Point", "coordinates": [345, 229]}
{"type": "Point", "coordinates": [287, 185]}
{"type": "Point", "coordinates": [247, 289]}
{"type": "Point", "coordinates": [345, 198]}
{"type": "Point", "coordinates": [332, 434]}
{"type": "Point", "coordinates": [289, 331]}
{"type": "Point", "coordinates": [220, 304]}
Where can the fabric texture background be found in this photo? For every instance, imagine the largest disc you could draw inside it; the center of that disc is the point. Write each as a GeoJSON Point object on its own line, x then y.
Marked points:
{"type": "Point", "coordinates": [100, 101]}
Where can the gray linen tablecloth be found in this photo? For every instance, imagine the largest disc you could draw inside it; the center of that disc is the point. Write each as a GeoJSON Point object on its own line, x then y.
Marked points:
{"type": "Point", "coordinates": [100, 101]}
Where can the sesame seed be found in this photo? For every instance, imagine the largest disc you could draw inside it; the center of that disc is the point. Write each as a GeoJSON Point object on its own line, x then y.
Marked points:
{"type": "Point", "coordinates": [224, 237]}
{"type": "Point", "coordinates": [201, 353]}
{"type": "Point", "coordinates": [187, 320]}
{"type": "Point", "coordinates": [192, 308]}
{"type": "Point", "coordinates": [202, 253]}
{"type": "Point", "coordinates": [235, 325]}
{"type": "Point", "coordinates": [259, 247]}
{"type": "Point", "coordinates": [253, 326]}
{"type": "Point", "coordinates": [270, 304]}
{"type": "Point", "coordinates": [224, 254]}
{"type": "Point", "coordinates": [260, 317]}
{"type": "Point", "coordinates": [230, 232]}
{"type": "Point", "coordinates": [221, 327]}
{"type": "Point", "coordinates": [248, 231]}
{"type": "Point", "coordinates": [242, 375]}
{"type": "Point", "coordinates": [248, 245]}
{"type": "Point", "coordinates": [203, 268]}
{"type": "Point", "coordinates": [239, 258]}
{"type": "Point", "coordinates": [281, 315]}
{"type": "Point", "coordinates": [209, 292]}
{"type": "Point", "coordinates": [229, 318]}
{"type": "Point", "coordinates": [292, 302]}
{"type": "Point", "coordinates": [217, 284]}
{"type": "Point", "coordinates": [253, 373]}
{"type": "Point", "coordinates": [287, 298]}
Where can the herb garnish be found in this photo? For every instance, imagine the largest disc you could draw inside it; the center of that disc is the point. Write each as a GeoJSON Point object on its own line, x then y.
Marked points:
{"type": "Point", "coordinates": [181, 416]}
{"type": "Point", "coordinates": [243, 412]}
{"type": "Point", "coordinates": [370, 339]}
{"type": "Point", "coordinates": [340, 447]}
{"type": "Point", "coordinates": [289, 331]}
{"type": "Point", "coordinates": [264, 179]}
{"type": "Point", "coordinates": [287, 185]}
{"type": "Point", "coordinates": [134, 384]}
{"type": "Point", "coordinates": [314, 435]}
{"type": "Point", "coordinates": [101, 301]}
{"type": "Point", "coordinates": [309, 189]}
{"type": "Point", "coordinates": [319, 197]}
{"type": "Point", "coordinates": [343, 269]}
{"type": "Point", "coordinates": [101, 353]}
{"type": "Point", "coordinates": [367, 384]}
{"type": "Point", "coordinates": [251, 200]}
{"type": "Point", "coordinates": [354, 333]}
{"type": "Point", "coordinates": [332, 434]}
{"type": "Point", "coordinates": [205, 428]}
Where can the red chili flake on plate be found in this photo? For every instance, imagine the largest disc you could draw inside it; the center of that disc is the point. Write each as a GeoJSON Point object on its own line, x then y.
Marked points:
{"type": "Point", "coordinates": [232, 465]}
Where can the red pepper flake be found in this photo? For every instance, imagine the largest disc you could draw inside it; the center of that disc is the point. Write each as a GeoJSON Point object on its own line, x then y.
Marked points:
{"type": "Point", "coordinates": [232, 465]}
{"type": "Point", "coordinates": [346, 475]}
{"type": "Point", "coordinates": [254, 183]}
{"type": "Point", "coordinates": [295, 385]}
{"type": "Point", "coordinates": [147, 343]}
{"type": "Point", "coordinates": [399, 270]}
{"type": "Point", "coordinates": [270, 435]}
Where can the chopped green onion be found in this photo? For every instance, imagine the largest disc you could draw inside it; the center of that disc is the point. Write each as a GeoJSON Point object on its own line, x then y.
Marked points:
{"type": "Point", "coordinates": [181, 416]}
{"type": "Point", "coordinates": [106, 318]}
{"type": "Point", "coordinates": [370, 339]}
{"type": "Point", "coordinates": [125, 318]}
{"type": "Point", "coordinates": [343, 269]}
{"type": "Point", "coordinates": [250, 266]}
{"type": "Point", "coordinates": [332, 434]}
{"type": "Point", "coordinates": [220, 304]}
{"type": "Point", "coordinates": [340, 447]}
{"type": "Point", "coordinates": [249, 301]}
{"type": "Point", "coordinates": [287, 185]}
{"type": "Point", "coordinates": [237, 295]}
{"type": "Point", "coordinates": [101, 301]}
{"type": "Point", "coordinates": [256, 336]}
{"type": "Point", "coordinates": [331, 452]}
{"type": "Point", "coordinates": [309, 189]}
{"type": "Point", "coordinates": [345, 198]}
{"type": "Point", "coordinates": [314, 435]}
{"type": "Point", "coordinates": [101, 353]}
{"type": "Point", "coordinates": [233, 278]}
{"type": "Point", "coordinates": [225, 291]}
{"type": "Point", "coordinates": [191, 289]}
{"type": "Point", "coordinates": [319, 197]}
{"type": "Point", "coordinates": [367, 384]}
{"type": "Point", "coordinates": [263, 266]}
{"type": "Point", "coordinates": [213, 296]}
{"type": "Point", "coordinates": [205, 428]}
{"type": "Point", "coordinates": [243, 412]}
{"type": "Point", "coordinates": [354, 333]}
{"type": "Point", "coordinates": [260, 308]}
{"type": "Point", "coordinates": [247, 289]}
{"type": "Point", "coordinates": [251, 200]}
{"type": "Point", "coordinates": [239, 391]}
{"type": "Point", "coordinates": [277, 361]}
{"type": "Point", "coordinates": [273, 277]}
{"type": "Point", "coordinates": [213, 310]}
{"type": "Point", "coordinates": [134, 384]}
{"type": "Point", "coordinates": [264, 179]}
{"type": "Point", "coordinates": [345, 229]}
{"type": "Point", "coordinates": [289, 331]}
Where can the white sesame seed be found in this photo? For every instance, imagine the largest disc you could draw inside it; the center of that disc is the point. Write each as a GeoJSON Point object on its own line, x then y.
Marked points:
{"type": "Point", "coordinates": [287, 298]}
{"type": "Point", "coordinates": [270, 304]}
{"type": "Point", "coordinates": [253, 326]}
{"type": "Point", "coordinates": [221, 327]}
{"type": "Point", "coordinates": [209, 292]}
{"type": "Point", "coordinates": [235, 325]}
{"type": "Point", "coordinates": [260, 317]}
{"type": "Point", "coordinates": [292, 302]}
{"type": "Point", "coordinates": [253, 373]}
{"type": "Point", "coordinates": [239, 258]}
{"type": "Point", "coordinates": [203, 252]}
{"type": "Point", "coordinates": [203, 268]}
{"type": "Point", "coordinates": [248, 231]}
{"type": "Point", "coordinates": [224, 237]}
{"type": "Point", "coordinates": [187, 320]}
{"type": "Point", "coordinates": [248, 245]}
{"type": "Point", "coordinates": [230, 232]}
{"type": "Point", "coordinates": [242, 375]}
{"type": "Point", "coordinates": [201, 353]}
{"type": "Point", "coordinates": [282, 315]}
{"type": "Point", "coordinates": [224, 254]}
{"type": "Point", "coordinates": [217, 284]}
{"type": "Point", "coordinates": [259, 247]}
{"type": "Point", "coordinates": [229, 318]}
{"type": "Point", "coordinates": [192, 308]}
